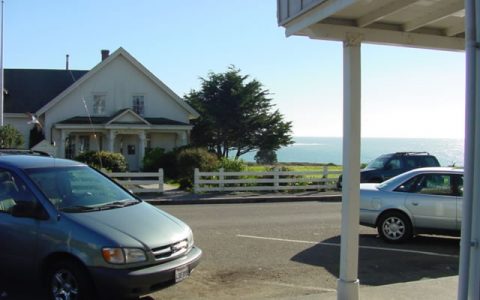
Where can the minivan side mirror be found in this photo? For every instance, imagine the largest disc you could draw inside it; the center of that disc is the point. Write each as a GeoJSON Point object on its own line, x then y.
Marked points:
{"type": "Point", "coordinates": [28, 209]}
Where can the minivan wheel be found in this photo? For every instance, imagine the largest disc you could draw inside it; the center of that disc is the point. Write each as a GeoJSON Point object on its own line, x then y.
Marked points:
{"type": "Point", "coordinates": [394, 227]}
{"type": "Point", "coordinates": [68, 280]}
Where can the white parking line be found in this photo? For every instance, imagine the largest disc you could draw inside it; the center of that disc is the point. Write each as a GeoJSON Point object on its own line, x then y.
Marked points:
{"type": "Point", "coordinates": [338, 245]}
{"type": "Point", "coordinates": [320, 289]}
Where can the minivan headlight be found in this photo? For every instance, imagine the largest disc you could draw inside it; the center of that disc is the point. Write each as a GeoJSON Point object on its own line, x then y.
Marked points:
{"type": "Point", "coordinates": [123, 255]}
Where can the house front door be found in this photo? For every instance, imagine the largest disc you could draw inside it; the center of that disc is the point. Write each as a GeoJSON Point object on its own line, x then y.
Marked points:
{"type": "Point", "coordinates": [130, 151]}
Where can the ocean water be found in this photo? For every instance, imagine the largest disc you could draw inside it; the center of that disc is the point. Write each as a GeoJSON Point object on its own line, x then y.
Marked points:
{"type": "Point", "coordinates": [329, 149]}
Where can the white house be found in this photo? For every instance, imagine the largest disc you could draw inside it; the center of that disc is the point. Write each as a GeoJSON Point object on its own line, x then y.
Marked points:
{"type": "Point", "coordinates": [117, 106]}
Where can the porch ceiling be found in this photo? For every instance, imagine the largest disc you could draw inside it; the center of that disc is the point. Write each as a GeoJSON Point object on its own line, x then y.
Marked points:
{"type": "Point", "coordinates": [433, 24]}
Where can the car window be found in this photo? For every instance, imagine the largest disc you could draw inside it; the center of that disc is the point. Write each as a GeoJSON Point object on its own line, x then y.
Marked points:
{"type": "Point", "coordinates": [410, 163]}
{"type": "Point", "coordinates": [458, 185]}
{"type": "Point", "coordinates": [378, 163]}
{"type": "Point", "coordinates": [428, 161]}
{"type": "Point", "coordinates": [410, 185]}
{"type": "Point", "coordinates": [13, 191]}
{"type": "Point", "coordinates": [436, 184]}
{"type": "Point", "coordinates": [393, 164]}
{"type": "Point", "coordinates": [77, 186]}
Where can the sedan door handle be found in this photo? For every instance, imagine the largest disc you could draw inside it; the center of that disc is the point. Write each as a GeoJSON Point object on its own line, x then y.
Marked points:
{"type": "Point", "coordinates": [415, 203]}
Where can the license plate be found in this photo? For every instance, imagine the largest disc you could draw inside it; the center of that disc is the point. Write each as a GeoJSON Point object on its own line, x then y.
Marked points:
{"type": "Point", "coordinates": [181, 273]}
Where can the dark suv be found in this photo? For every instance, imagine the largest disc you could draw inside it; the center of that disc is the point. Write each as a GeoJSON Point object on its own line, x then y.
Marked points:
{"type": "Point", "coordinates": [392, 164]}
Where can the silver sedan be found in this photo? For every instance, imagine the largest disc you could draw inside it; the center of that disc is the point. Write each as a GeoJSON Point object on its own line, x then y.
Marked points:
{"type": "Point", "coordinates": [426, 200]}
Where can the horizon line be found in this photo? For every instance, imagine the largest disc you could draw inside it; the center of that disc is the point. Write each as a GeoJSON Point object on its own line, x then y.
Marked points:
{"type": "Point", "coordinates": [380, 137]}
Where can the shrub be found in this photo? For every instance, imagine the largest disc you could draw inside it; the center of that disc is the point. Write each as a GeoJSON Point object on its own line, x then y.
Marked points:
{"type": "Point", "coordinates": [113, 162]}
{"type": "Point", "coordinates": [190, 158]}
{"type": "Point", "coordinates": [10, 137]}
{"type": "Point", "coordinates": [158, 158]}
{"type": "Point", "coordinates": [231, 165]}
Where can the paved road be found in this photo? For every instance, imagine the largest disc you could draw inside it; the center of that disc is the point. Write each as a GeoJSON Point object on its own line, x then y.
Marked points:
{"type": "Point", "coordinates": [289, 250]}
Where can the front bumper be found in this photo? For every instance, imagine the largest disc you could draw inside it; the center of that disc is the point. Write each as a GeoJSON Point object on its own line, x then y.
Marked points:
{"type": "Point", "coordinates": [128, 283]}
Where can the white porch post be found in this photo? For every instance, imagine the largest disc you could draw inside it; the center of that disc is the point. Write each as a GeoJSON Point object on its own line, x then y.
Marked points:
{"type": "Point", "coordinates": [76, 149]}
{"type": "Point", "coordinates": [348, 283]}
{"type": "Point", "coordinates": [141, 150]}
{"type": "Point", "coordinates": [469, 270]}
{"type": "Point", "coordinates": [61, 148]}
{"type": "Point", "coordinates": [110, 140]}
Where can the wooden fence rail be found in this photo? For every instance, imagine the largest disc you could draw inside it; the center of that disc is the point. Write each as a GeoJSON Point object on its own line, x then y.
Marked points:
{"type": "Point", "coordinates": [145, 182]}
{"type": "Point", "coordinates": [275, 180]}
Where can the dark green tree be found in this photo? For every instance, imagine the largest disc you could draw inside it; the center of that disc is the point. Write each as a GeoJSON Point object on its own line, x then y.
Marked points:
{"type": "Point", "coordinates": [10, 137]}
{"type": "Point", "coordinates": [265, 156]}
{"type": "Point", "coordinates": [236, 115]}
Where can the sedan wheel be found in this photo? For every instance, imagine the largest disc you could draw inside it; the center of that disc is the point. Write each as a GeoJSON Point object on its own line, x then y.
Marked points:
{"type": "Point", "coordinates": [394, 227]}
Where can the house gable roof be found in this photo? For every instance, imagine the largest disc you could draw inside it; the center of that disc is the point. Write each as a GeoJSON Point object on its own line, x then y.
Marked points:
{"type": "Point", "coordinates": [27, 90]}
{"type": "Point", "coordinates": [122, 52]}
{"type": "Point", "coordinates": [127, 116]}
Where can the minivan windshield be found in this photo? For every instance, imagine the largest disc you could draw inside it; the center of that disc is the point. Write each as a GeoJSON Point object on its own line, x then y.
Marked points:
{"type": "Point", "coordinates": [79, 189]}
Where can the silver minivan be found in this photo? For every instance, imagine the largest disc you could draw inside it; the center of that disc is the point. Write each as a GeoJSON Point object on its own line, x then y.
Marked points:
{"type": "Point", "coordinates": [82, 236]}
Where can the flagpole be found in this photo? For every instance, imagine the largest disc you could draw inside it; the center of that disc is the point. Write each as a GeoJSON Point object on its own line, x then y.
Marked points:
{"type": "Point", "coordinates": [1, 68]}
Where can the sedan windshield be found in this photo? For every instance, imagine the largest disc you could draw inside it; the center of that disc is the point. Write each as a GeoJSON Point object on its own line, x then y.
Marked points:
{"type": "Point", "coordinates": [79, 189]}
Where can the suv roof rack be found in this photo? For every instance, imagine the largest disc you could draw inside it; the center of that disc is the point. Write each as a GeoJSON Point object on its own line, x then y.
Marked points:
{"type": "Point", "coordinates": [10, 151]}
{"type": "Point", "coordinates": [413, 153]}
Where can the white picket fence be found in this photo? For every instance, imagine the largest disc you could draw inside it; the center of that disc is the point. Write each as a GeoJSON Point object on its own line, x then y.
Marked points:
{"type": "Point", "coordinates": [275, 180]}
{"type": "Point", "coordinates": [145, 182]}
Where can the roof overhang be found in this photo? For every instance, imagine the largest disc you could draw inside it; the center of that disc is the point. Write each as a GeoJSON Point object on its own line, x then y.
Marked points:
{"type": "Point", "coordinates": [124, 119]}
{"type": "Point", "coordinates": [87, 127]}
{"type": "Point", "coordinates": [430, 24]}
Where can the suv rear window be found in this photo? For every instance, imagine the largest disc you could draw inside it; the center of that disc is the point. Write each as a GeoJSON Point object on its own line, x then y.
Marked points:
{"type": "Point", "coordinates": [427, 161]}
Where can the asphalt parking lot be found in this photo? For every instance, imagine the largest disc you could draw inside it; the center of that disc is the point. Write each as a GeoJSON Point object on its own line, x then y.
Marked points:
{"type": "Point", "coordinates": [291, 250]}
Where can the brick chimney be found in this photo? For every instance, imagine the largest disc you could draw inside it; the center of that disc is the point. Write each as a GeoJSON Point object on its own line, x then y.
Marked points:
{"type": "Point", "coordinates": [105, 54]}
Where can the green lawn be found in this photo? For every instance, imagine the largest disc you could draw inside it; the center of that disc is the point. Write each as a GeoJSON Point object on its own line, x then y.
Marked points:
{"type": "Point", "coordinates": [298, 167]}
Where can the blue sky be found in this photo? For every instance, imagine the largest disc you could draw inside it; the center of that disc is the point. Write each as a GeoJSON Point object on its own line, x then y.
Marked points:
{"type": "Point", "coordinates": [405, 92]}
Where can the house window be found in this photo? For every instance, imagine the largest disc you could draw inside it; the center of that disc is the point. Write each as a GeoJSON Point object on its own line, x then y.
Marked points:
{"type": "Point", "coordinates": [138, 105]}
{"type": "Point", "coordinates": [131, 149]}
{"type": "Point", "coordinates": [99, 104]}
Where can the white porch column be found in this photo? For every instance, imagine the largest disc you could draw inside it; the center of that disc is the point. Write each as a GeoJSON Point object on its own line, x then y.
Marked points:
{"type": "Point", "coordinates": [110, 140]}
{"type": "Point", "coordinates": [469, 270]}
{"type": "Point", "coordinates": [61, 146]}
{"type": "Point", "coordinates": [141, 151]}
{"type": "Point", "coordinates": [348, 283]}
{"type": "Point", "coordinates": [76, 149]}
